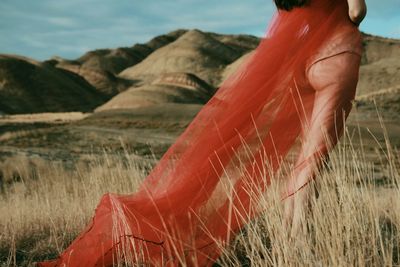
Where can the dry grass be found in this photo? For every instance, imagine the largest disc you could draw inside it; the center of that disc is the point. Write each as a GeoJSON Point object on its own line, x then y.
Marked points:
{"type": "Point", "coordinates": [55, 117]}
{"type": "Point", "coordinates": [43, 209]}
{"type": "Point", "coordinates": [354, 220]}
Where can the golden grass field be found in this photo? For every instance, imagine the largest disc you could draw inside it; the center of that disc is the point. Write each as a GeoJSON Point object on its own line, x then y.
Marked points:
{"type": "Point", "coordinates": [354, 219]}
{"type": "Point", "coordinates": [72, 130]}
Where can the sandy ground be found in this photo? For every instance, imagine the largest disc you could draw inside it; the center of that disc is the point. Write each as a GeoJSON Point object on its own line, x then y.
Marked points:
{"type": "Point", "coordinates": [147, 132]}
{"type": "Point", "coordinates": [55, 117]}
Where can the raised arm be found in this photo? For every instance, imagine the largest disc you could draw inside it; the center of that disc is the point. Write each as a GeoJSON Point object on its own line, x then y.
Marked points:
{"type": "Point", "coordinates": [357, 10]}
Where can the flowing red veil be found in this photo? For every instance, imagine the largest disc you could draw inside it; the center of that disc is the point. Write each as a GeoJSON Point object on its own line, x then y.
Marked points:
{"type": "Point", "coordinates": [178, 215]}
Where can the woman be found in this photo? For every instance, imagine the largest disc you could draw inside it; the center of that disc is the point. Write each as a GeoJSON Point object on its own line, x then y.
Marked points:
{"type": "Point", "coordinates": [207, 185]}
{"type": "Point", "coordinates": [333, 74]}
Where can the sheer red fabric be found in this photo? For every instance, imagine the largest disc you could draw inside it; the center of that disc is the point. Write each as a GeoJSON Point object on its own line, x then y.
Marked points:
{"type": "Point", "coordinates": [182, 210]}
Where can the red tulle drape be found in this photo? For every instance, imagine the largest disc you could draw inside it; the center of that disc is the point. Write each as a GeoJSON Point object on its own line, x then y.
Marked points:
{"type": "Point", "coordinates": [182, 209]}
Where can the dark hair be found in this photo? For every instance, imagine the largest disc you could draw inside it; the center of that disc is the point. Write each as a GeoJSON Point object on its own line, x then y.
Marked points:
{"type": "Point", "coordinates": [289, 4]}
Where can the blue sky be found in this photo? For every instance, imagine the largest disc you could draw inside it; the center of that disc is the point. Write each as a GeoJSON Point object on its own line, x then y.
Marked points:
{"type": "Point", "coordinates": [68, 28]}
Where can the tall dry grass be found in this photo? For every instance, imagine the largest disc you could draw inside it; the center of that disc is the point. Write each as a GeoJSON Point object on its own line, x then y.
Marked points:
{"type": "Point", "coordinates": [354, 218]}
{"type": "Point", "coordinates": [353, 221]}
{"type": "Point", "coordinates": [44, 206]}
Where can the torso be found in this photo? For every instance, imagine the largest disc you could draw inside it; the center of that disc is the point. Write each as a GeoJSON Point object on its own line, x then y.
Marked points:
{"type": "Point", "coordinates": [346, 38]}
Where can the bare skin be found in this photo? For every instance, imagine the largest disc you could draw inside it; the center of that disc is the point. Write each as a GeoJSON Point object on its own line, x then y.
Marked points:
{"type": "Point", "coordinates": [357, 10]}
{"type": "Point", "coordinates": [296, 206]}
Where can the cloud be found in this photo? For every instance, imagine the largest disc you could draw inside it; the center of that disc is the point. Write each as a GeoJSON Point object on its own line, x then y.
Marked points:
{"type": "Point", "coordinates": [62, 21]}
{"type": "Point", "coordinates": [97, 24]}
{"type": "Point", "coordinates": [395, 31]}
{"type": "Point", "coordinates": [68, 28]}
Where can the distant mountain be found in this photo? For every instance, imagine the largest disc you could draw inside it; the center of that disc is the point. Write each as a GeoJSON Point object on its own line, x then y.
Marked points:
{"type": "Point", "coordinates": [167, 88]}
{"type": "Point", "coordinates": [381, 64]}
{"type": "Point", "coordinates": [99, 67]}
{"type": "Point", "coordinates": [28, 86]}
{"type": "Point", "coordinates": [204, 54]}
{"type": "Point", "coordinates": [156, 72]}
{"type": "Point", "coordinates": [116, 60]}
{"type": "Point", "coordinates": [231, 68]}
{"type": "Point", "coordinates": [104, 81]}
{"type": "Point", "coordinates": [381, 74]}
{"type": "Point", "coordinates": [377, 48]}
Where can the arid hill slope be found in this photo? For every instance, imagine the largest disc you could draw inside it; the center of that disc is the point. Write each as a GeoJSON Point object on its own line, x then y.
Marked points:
{"type": "Point", "coordinates": [147, 94]}
{"type": "Point", "coordinates": [380, 64]}
{"type": "Point", "coordinates": [99, 67]}
{"type": "Point", "coordinates": [98, 76]}
{"type": "Point", "coordinates": [27, 86]}
{"type": "Point", "coordinates": [167, 88]}
{"type": "Point", "coordinates": [204, 54]}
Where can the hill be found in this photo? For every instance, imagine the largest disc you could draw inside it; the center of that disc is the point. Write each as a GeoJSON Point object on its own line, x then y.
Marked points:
{"type": "Point", "coordinates": [102, 74]}
{"type": "Point", "coordinates": [28, 86]}
{"type": "Point", "coordinates": [204, 54]}
{"type": "Point", "coordinates": [177, 87]}
{"type": "Point", "coordinates": [99, 67]}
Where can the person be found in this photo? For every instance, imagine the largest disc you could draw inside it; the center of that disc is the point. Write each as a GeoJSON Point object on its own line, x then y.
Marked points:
{"type": "Point", "coordinates": [208, 184]}
{"type": "Point", "coordinates": [333, 74]}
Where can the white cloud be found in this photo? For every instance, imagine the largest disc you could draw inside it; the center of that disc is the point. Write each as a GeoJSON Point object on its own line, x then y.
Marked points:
{"type": "Point", "coordinates": [46, 27]}
{"type": "Point", "coordinates": [29, 41]}
{"type": "Point", "coordinates": [62, 21]}
{"type": "Point", "coordinates": [395, 31]}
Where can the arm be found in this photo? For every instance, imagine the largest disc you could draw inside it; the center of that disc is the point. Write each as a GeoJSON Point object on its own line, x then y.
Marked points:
{"type": "Point", "coordinates": [357, 10]}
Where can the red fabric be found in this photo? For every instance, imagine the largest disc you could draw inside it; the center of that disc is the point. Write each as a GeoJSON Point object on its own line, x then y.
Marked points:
{"type": "Point", "coordinates": [255, 116]}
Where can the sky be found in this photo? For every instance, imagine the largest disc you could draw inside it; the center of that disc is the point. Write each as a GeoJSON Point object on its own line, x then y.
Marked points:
{"type": "Point", "coordinates": [41, 29]}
